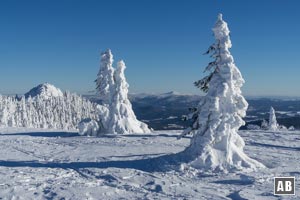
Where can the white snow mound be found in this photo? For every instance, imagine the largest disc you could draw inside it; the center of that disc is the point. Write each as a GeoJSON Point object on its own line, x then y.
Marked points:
{"type": "Point", "coordinates": [88, 127]}
{"type": "Point", "coordinates": [45, 90]}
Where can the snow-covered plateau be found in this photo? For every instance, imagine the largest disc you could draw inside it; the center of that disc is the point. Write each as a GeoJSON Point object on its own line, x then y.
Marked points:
{"type": "Point", "coordinates": [47, 164]}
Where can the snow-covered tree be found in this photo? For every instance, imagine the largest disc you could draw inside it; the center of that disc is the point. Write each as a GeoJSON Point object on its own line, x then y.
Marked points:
{"type": "Point", "coordinates": [273, 125]}
{"type": "Point", "coordinates": [105, 80]}
{"type": "Point", "coordinates": [117, 115]}
{"type": "Point", "coordinates": [122, 118]}
{"type": "Point", "coordinates": [216, 144]}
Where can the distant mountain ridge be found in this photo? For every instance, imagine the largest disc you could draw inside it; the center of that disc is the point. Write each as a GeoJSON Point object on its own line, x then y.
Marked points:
{"type": "Point", "coordinates": [164, 111]}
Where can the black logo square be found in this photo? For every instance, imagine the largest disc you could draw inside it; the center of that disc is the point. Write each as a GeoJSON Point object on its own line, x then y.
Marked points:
{"type": "Point", "coordinates": [284, 186]}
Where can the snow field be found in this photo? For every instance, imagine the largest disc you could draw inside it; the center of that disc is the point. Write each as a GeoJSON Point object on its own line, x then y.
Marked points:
{"type": "Point", "coordinates": [39, 164]}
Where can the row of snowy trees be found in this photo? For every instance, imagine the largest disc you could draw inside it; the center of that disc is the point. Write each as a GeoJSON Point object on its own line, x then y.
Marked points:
{"type": "Point", "coordinates": [63, 112]}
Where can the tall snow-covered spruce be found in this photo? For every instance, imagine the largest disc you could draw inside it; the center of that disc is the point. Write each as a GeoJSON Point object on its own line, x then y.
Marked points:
{"type": "Point", "coordinates": [113, 89]}
{"type": "Point", "coordinates": [216, 145]}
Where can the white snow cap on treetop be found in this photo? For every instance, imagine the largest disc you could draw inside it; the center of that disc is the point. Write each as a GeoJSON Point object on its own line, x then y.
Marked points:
{"type": "Point", "coordinates": [107, 57]}
{"type": "Point", "coordinates": [220, 16]}
{"type": "Point", "coordinates": [121, 65]}
{"type": "Point", "coordinates": [221, 31]}
{"type": "Point", "coordinates": [105, 79]}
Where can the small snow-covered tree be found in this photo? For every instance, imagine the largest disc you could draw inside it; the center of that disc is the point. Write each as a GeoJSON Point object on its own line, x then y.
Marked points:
{"type": "Point", "coordinates": [273, 125]}
{"type": "Point", "coordinates": [216, 144]}
{"type": "Point", "coordinates": [291, 128]}
{"type": "Point", "coordinates": [264, 125]}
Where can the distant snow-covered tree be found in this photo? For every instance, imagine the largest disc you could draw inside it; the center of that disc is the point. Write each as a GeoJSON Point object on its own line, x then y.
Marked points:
{"type": "Point", "coordinates": [216, 145]}
{"type": "Point", "coordinates": [273, 125]}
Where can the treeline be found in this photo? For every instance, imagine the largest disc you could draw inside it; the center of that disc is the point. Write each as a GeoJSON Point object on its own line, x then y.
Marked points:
{"type": "Point", "coordinates": [46, 112]}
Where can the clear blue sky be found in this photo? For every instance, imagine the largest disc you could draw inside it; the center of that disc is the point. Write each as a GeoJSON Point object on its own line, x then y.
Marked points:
{"type": "Point", "coordinates": [161, 41]}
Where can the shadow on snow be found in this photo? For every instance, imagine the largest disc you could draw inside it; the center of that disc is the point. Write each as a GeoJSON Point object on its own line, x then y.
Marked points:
{"type": "Point", "coordinates": [161, 163]}
{"type": "Point", "coordinates": [75, 134]}
{"type": "Point", "coordinates": [274, 146]}
{"type": "Point", "coordinates": [43, 134]}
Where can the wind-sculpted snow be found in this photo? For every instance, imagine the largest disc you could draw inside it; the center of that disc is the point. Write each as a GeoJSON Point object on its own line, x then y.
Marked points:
{"type": "Point", "coordinates": [45, 164]}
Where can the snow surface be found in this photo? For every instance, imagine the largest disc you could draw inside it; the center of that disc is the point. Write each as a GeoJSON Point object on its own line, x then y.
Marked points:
{"type": "Point", "coordinates": [39, 164]}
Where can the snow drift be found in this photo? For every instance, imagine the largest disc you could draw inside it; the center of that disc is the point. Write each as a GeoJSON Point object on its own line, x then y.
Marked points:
{"type": "Point", "coordinates": [88, 127]}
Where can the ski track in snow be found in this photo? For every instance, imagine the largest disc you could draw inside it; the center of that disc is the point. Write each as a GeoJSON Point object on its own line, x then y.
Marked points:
{"type": "Point", "coordinates": [45, 164]}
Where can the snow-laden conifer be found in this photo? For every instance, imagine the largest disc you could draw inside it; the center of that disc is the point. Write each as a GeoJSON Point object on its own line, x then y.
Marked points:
{"type": "Point", "coordinates": [117, 116]}
{"type": "Point", "coordinates": [216, 144]}
{"type": "Point", "coordinates": [273, 125]}
{"type": "Point", "coordinates": [122, 117]}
